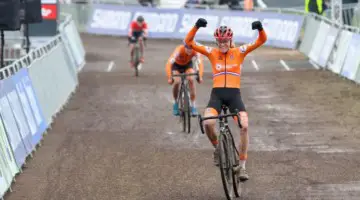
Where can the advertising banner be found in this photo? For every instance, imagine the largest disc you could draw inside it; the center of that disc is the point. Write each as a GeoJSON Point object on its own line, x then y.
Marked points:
{"type": "Point", "coordinates": [33, 113]}
{"type": "Point", "coordinates": [282, 29]}
{"type": "Point", "coordinates": [19, 145]}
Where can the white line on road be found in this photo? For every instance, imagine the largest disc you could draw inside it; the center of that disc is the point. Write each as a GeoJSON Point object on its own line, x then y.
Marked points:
{"type": "Point", "coordinates": [261, 3]}
{"type": "Point", "coordinates": [284, 65]}
{"type": "Point", "coordinates": [111, 65]}
{"type": "Point", "coordinates": [255, 65]}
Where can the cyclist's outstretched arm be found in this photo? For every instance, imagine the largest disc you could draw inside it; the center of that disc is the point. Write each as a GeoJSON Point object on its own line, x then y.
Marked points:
{"type": "Point", "coordinates": [252, 46]}
{"type": "Point", "coordinates": [201, 64]}
{"type": "Point", "coordinates": [189, 41]}
{"type": "Point", "coordinates": [146, 30]}
{"type": "Point", "coordinates": [131, 29]}
{"type": "Point", "coordinates": [171, 61]}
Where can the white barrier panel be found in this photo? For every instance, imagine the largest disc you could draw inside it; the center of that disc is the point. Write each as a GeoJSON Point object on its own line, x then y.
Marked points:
{"type": "Point", "coordinates": [311, 27]}
{"type": "Point", "coordinates": [352, 59]}
{"type": "Point", "coordinates": [340, 53]}
{"type": "Point", "coordinates": [357, 79]}
{"type": "Point", "coordinates": [328, 46]}
{"type": "Point", "coordinates": [319, 41]}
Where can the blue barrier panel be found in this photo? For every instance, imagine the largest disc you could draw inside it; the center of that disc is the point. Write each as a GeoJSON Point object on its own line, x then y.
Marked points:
{"type": "Point", "coordinates": [19, 145]}
{"type": "Point", "coordinates": [283, 29]}
{"type": "Point", "coordinates": [33, 112]}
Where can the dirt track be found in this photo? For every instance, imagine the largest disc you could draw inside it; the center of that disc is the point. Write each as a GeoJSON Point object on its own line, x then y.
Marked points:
{"type": "Point", "coordinates": [118, 140]}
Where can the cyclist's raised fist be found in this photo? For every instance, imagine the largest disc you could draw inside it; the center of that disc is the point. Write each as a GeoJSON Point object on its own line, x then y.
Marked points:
{"type": "Point", "coordinates": [201, 22]}
{"type": "Point", "coordinates": [257, 25]}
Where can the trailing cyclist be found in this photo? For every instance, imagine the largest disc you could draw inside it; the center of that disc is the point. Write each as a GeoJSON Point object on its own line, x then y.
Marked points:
{"type": "Point", "coordinates": [180, 61]}
{"type": "Point", "coordinates": [138, 30]}
{"type": "Point", "coordinates": [226, 67]}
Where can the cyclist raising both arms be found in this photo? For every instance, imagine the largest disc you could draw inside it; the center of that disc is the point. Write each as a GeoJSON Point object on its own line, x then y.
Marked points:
{"type": "Point", "coordinates": [138, 30]}
{"type": "Point", "coordinates": [226, 67]}
{"type": "Point", "coordinates": [180, 61]}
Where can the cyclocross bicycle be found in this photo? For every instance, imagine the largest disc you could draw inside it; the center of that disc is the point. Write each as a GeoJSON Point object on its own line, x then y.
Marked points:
{"type": "Point", "coordinates": [136, 57]}
{"type": "Point", "coordinates": [184, 100]}
{"type": "Point", "coordinates": [229, 155]}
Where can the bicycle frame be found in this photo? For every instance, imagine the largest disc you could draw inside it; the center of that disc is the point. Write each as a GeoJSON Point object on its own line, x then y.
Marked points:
{"type": "Point", "coordinates": [184, 103]}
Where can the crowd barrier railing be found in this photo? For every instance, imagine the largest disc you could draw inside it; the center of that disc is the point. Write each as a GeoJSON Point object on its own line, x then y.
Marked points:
{"type": "Point", "coordinates": [33, 89]}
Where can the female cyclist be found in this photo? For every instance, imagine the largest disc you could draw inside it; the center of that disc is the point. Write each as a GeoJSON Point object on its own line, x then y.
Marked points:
{"type": "Point", "coordinates": [226, 61]}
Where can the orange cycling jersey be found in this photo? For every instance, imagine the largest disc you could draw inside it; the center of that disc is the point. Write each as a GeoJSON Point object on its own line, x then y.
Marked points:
{"type": "Point", "coordinates": [180, 57]}
{"type": "Point", "coordinates": [226, 67]}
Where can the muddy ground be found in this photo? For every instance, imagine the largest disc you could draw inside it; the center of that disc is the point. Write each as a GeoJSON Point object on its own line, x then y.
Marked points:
{"type": "Point", "coordinates": [117, 139]}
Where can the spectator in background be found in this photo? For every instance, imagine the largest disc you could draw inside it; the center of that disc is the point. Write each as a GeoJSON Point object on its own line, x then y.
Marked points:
{"type": "Point", "coordinates": [315, 6]}
{"type": "Point", "coordinates": [147, 3]}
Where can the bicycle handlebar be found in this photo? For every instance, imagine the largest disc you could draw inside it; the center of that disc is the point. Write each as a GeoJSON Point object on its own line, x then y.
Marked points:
{"type": "Point", "coordinates": [184, 74]}
{"type": "Point", "coordinates": [201, 119]}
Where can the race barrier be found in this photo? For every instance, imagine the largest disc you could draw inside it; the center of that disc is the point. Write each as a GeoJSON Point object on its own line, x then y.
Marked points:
{"type": "Point", "coordinates": [332, 46]}
{"type": "Point", "coordinates": [33, 89]}
{"type": "Point", "coordinates": [283, 29]}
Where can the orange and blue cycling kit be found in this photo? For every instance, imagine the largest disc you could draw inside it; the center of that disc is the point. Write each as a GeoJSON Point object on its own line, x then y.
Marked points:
{"type": "Point", "coordinates": [181, 61]}
{"type": "Point", "coordinates": [226, 67]}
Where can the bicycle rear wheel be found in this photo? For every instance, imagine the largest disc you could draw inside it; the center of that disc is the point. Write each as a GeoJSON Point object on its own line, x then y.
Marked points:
{"type": "Point", "coordinates": [226, 166]}
{"type": "Point", "coordinates": [137, 60]}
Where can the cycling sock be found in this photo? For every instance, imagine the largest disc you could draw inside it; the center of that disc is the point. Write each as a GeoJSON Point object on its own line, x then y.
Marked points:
{"type": "Point", "coordinates": [243, 158]}
{"type": "Point", "coordinates": [193, 104]}
{"type": "Point", "coordinates": [215, 143]}
{"type": "Point", "coordinates": [242, 163]}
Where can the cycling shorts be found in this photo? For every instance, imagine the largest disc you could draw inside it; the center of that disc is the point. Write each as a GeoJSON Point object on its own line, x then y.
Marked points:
{"type": "Point", "coordinates": [231, 97]}
{"type": "Point", "coordinates": [182, 68]}
{"type": "Point", "coordinates": [136, 35]}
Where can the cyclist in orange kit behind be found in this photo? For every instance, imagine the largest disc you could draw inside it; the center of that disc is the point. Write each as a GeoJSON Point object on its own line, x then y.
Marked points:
{"type": "Point", "coordinates": [180, 61]}
{"type": "Point", "coordinates": [226, 67]}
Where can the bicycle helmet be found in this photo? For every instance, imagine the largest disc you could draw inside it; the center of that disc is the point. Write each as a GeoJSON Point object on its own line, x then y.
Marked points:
{"type": "Point", "coordinates": [223, 33]}
{"type": "Point", "coordinates": [140, 18]}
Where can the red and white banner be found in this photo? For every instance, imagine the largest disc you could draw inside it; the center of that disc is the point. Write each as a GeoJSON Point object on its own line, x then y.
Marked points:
{"type": "Point", "coordinates": [49, 11]}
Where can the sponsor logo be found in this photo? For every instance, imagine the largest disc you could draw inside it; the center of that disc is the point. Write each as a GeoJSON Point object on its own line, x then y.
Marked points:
{"type": "Point", "coordinates": [49, 11]}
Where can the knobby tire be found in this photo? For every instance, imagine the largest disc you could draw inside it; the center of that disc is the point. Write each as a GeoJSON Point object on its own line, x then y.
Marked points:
{"type": "Point", "coordinates": [225, 166]}
{"type": "Point", "coordinates": [187, 108]}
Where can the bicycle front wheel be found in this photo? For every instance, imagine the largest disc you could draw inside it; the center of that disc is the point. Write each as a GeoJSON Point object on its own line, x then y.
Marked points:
{"type": "Point", "coordinates": [187, 109]}
{"type": "Point", "coordinates": [226, 166]}
{"type": "Point", "coordinates": [234, 156]}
